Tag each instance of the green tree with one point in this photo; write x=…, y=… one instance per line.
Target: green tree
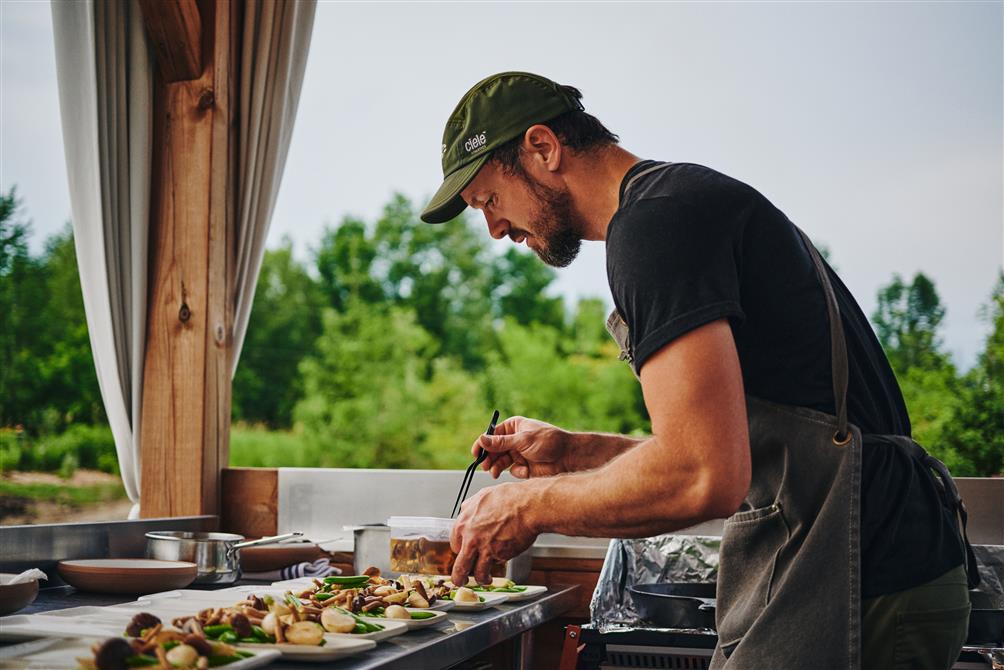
x=975, y=436
x=907, y=320
x=376, y=396
x=285, y=322
x=47, y=380
x=519, y=283
x=531, y=375
x=442, y=273
x=70, y=380
x=22, y=288
x=345, y=264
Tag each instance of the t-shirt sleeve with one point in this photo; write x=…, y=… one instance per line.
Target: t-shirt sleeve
x=672, y=269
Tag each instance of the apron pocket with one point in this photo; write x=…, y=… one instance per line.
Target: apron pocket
x=751, y=542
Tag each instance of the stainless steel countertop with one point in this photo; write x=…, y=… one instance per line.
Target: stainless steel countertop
x=461, y=636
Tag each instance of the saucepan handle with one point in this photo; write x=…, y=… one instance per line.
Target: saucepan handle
x=265, y=540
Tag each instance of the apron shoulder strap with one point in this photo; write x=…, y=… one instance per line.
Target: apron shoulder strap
x=838, y=345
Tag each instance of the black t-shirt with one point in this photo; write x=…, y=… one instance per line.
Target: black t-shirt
x=689, y=245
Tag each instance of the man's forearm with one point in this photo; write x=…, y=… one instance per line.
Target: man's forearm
x=639, y=493
x=588, y=451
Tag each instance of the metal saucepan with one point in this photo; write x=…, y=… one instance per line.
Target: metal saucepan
x=676, y=605
x=216, y=554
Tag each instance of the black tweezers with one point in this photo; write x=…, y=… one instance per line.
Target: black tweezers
x=469, y=475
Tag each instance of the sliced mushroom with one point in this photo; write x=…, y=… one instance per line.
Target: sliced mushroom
x=416, y=600
x=199, y=644
x=241, y=625
x=193, y=626
x=113, y=654
x=141, y=622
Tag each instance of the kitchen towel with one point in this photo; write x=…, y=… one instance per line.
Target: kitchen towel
x=318, y=568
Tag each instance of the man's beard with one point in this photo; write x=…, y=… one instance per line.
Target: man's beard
x=556, y=224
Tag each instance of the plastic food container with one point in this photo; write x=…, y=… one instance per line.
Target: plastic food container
x=421, y=545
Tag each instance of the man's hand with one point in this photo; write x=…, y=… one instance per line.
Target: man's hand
x=493, y=526
x=529, y=448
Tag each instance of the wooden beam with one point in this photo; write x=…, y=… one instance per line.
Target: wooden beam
x=185, y=422
x=175, y=30
x=251, y=501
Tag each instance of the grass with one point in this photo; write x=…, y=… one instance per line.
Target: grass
x=256, y=447
x=63, y=494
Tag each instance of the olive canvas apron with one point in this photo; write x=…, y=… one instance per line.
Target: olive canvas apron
x=788, y=580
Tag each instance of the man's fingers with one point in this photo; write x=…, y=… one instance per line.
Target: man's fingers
x=499, y=466
x=482, y=571
x=463, y=565
x=495, y=444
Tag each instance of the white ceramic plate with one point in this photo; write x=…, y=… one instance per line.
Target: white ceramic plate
x=103, y=622
x=22, y=626
x=412, y=624
x=530, y=593
x=490, y=600
x=235, y=592
x=335, y=647
x=64, y=655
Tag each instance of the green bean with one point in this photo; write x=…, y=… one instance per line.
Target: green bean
x=422, y=615
x=349, y=581
x=217, y=630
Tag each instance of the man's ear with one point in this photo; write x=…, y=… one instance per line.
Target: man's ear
x=542, y=148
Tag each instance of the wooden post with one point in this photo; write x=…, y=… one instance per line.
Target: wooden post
x=185, y=423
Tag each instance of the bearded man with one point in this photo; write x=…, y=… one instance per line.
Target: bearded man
x=772, y=403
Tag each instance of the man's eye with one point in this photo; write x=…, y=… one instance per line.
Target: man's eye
x=493, y=201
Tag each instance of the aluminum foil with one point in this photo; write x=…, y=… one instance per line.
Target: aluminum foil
x=664, y=558
x=990, y=561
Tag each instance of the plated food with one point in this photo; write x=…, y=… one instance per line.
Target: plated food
x=159, y=647
x=371, y=595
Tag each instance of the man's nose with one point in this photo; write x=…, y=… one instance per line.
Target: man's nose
x=498, y=227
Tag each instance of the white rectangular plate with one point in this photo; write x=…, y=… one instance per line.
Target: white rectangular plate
x=530, y=593
x=22, y=626
x=490, y=600
x=335, y=647
x=412, y=624
x=64, y=655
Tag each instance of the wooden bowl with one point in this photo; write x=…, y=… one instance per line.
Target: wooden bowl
x=127, y=575
x=14, y=597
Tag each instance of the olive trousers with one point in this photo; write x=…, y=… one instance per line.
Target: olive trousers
x=922, y=628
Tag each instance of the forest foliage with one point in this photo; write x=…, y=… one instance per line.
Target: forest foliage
x=390, y=344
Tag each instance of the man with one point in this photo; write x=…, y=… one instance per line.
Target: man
x=770, y=398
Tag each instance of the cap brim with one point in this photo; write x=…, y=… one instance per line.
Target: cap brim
x=447, y=203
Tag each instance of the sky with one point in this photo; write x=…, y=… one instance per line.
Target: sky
x=876, y=127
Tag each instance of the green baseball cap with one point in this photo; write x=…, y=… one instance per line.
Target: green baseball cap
x=495, y=111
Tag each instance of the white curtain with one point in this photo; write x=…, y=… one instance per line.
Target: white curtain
x=104, y=69
x=105, y=79
x=276, y=39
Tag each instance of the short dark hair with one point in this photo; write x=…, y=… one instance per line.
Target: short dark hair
x=577, y=130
